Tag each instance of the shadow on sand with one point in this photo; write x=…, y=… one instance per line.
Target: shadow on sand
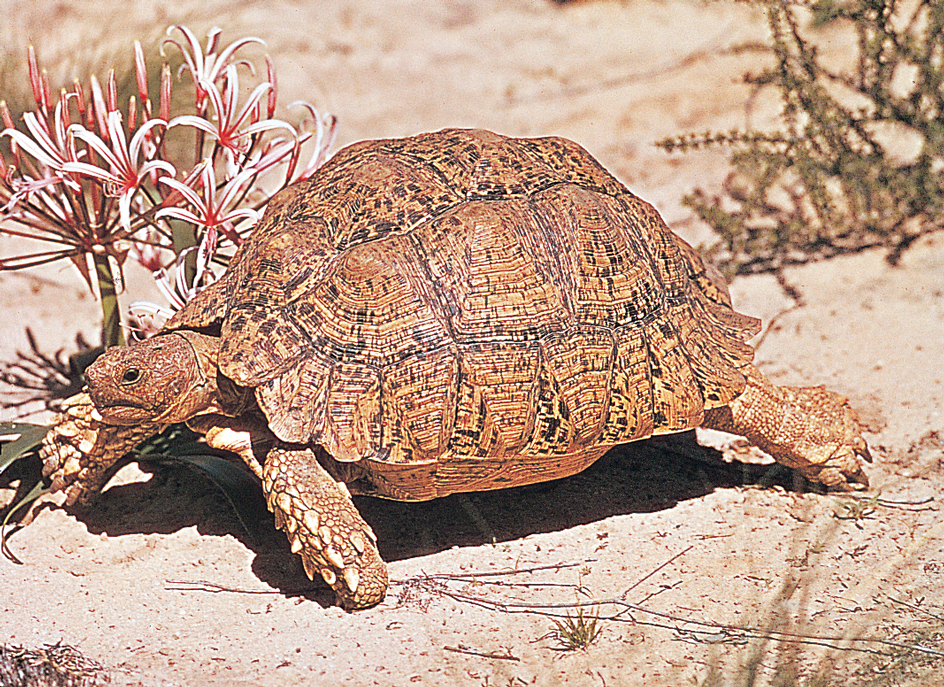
x=641, y=477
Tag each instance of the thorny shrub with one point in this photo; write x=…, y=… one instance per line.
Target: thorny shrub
x=828, y=181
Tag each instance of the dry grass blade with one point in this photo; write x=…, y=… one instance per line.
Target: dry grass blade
x=858, y=509
x=576, y=631
x=576, y=626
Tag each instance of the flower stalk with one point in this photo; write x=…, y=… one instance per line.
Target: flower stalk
x=108, y=294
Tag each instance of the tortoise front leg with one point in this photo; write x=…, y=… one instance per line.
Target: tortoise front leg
x=80, y=449
x=249, y=438
x=323, y=525
x=314, y=509
x=811, y=429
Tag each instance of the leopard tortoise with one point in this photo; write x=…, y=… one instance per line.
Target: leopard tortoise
x=451, y=312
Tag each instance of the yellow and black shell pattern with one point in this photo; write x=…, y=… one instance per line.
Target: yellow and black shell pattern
x=460, y=311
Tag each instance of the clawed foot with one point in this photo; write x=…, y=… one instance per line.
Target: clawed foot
x=79, y=450
x=811, y=429
x=324, y=527
x=832, y=449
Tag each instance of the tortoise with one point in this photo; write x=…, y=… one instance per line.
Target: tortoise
x=450, y=312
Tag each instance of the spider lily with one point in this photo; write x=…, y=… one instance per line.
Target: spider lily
x=54, y=202
x=39, y=82
x=287, y=150
x=231, y=131
x=125, y=172
x=210, y=208
x=39, y=144
x=43, y=196
x=178, y=291
x=206, y=68
x=324, y=132
x=26, y=189
x=61, y=186
x=91, y=178
x=44, y=209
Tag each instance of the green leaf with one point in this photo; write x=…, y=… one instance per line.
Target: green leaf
x=38, y=490
x=175, y=440
x=179, y=445
x=29, y=436
x=176, y=446
x=238, y=486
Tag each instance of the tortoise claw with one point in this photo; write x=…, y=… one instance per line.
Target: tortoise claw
x=80, y=449
x=324, y=527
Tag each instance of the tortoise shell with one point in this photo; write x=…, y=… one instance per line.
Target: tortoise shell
x=460, y=311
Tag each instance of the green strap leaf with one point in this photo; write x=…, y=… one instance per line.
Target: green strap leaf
x=239, y=487
x=38, y=490
x=29, y=437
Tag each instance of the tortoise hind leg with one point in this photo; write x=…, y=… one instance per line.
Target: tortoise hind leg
x=808, y=428
x=323, y=525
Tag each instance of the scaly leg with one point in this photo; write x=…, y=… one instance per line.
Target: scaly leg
x=314, y=509
x=808, y=428
x=249, y=438
x=80, y=449
x=323, y=525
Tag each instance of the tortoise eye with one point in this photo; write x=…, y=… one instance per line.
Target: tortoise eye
x=131, y=376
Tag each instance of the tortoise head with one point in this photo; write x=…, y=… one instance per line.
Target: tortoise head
x=168, y=378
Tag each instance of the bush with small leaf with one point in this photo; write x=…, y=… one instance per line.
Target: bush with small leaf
x=829, y=181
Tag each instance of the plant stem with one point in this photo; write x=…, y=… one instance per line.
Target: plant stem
x=112, y=334
x=184, y=238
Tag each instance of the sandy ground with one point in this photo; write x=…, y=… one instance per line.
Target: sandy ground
x=161, y=584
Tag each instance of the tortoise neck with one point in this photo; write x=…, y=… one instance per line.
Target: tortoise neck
x=207, y=349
